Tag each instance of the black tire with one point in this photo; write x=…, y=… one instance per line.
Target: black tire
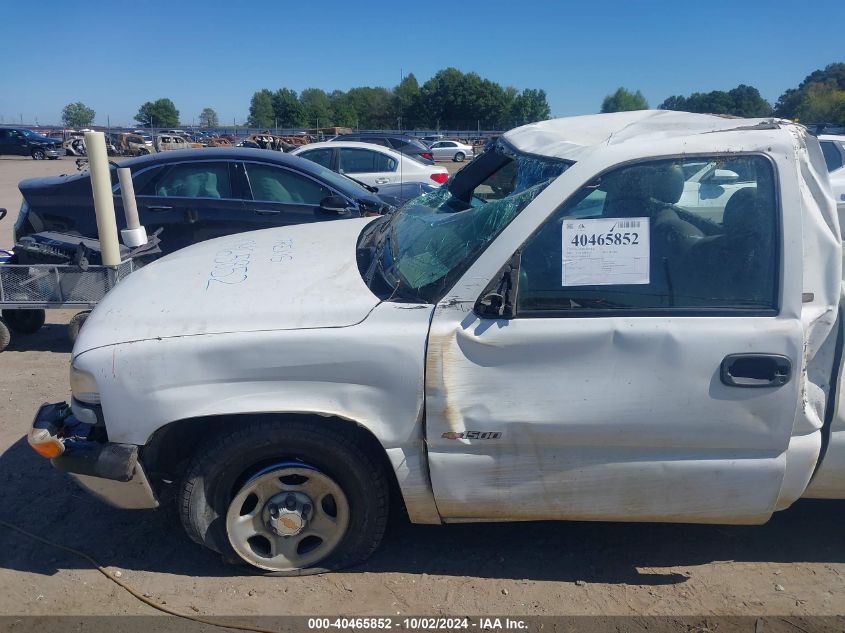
x=75, y=324
x=5, y=336
x=459, y=157
x=38, y=154
x=24, y=321
x=219, y=469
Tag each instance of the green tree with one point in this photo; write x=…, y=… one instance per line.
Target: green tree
x=747, y=102
x=318, y=109
x=162, y=113
x=261, y=109
x=342, y=109
x=287, y=108
x=77, y=115
x=744, y=101
x=675, y=102
x=793, y=99
x=624, y=101
x=406, y=101
x=822, y=103
x=209, y=118
x=529, y=107
x=373, y=106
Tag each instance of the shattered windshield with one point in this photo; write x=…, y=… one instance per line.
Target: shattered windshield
x=434, y=238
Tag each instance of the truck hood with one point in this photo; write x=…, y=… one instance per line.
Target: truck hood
x=297, y=277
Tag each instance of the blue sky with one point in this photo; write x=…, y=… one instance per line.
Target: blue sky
x=115, y=55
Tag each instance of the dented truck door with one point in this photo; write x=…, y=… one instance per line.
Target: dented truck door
x=633, y=359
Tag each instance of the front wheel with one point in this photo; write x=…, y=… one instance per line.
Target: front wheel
x=38, y=154
x=75, y=324
x=459, y=157
x=292, y=498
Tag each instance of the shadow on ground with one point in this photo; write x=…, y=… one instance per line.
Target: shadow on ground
x=42, y=500
x=52, y=337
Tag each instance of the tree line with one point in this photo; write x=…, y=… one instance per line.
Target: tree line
x=450, y=99
x=819, y=98
x=455, y=100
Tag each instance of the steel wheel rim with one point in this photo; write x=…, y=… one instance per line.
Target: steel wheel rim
x=249, y=527
x=37, y=155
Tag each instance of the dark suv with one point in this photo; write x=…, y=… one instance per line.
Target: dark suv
x=405, y=144
x=22, y=142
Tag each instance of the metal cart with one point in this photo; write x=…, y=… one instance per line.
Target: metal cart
x=27, y=290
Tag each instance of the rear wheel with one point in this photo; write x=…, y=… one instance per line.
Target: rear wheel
x=24, y=321
x=459, y=157
x=38, y=154
x=292, y=498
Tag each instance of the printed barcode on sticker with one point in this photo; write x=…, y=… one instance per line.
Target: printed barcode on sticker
x=628, y=224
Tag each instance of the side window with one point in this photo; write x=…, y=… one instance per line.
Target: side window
x=832, y=155
x=651, y=236
x=364, y=161
x=320, y=156
x=191, y=180
x=275, y=184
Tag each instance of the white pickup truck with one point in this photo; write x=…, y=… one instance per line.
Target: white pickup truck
x=624, y=317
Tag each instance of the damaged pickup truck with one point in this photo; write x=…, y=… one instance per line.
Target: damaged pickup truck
x=624, y=317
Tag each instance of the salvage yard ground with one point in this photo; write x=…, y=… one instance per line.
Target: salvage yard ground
x=795, y=565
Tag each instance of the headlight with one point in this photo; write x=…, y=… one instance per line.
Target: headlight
x=83, y=386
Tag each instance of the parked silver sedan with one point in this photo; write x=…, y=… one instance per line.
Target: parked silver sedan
x=451, y=150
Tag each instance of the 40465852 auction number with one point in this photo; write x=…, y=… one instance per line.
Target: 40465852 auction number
x=606, y=239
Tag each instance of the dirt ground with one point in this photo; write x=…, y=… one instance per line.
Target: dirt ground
x=795, y=565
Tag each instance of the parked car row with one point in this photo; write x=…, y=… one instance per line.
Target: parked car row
x=197, y=195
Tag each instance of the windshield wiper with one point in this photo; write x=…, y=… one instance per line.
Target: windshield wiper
x=369, y=188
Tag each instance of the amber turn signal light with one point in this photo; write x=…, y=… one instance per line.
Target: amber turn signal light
x=46, y=445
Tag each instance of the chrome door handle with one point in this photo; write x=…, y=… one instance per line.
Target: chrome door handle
x=382, y=181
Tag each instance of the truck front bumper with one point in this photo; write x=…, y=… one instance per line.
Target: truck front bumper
x=110, y=471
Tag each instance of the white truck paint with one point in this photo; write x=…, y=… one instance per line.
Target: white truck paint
x=608, y=416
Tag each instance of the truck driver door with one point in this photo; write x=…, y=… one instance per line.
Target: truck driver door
x=645, y=366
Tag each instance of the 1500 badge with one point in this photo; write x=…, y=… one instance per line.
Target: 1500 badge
x=471, y=435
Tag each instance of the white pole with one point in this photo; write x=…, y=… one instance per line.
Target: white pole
x=98, y=166
x=134, y=234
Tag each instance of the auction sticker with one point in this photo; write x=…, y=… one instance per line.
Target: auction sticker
x=606, y=251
